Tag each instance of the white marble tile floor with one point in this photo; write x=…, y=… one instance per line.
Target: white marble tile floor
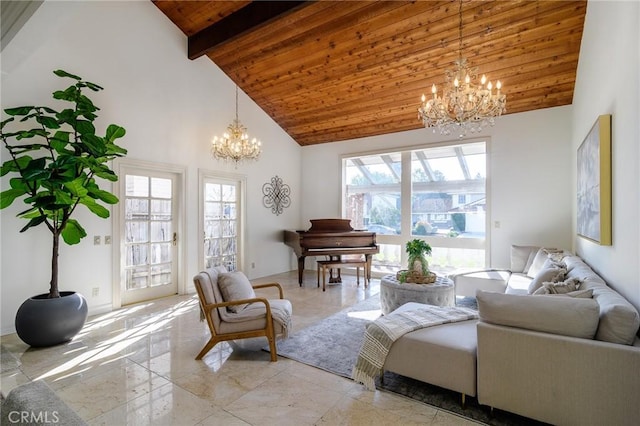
x=136, y=366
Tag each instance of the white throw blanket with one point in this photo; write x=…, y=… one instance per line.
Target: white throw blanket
x=383, y=332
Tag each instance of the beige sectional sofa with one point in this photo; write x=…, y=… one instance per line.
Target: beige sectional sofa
x=550, y=357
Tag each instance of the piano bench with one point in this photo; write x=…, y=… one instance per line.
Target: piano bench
x=328, y=264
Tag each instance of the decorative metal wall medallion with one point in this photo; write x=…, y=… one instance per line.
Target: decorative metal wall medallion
x=276, y=195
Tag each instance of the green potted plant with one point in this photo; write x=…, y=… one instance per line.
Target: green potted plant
x=418, y=267
x=55, y=159
x=418, y=250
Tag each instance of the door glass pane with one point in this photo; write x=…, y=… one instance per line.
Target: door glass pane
x=137, y=208
x=220, y=225
x=136, y=232
x=161, y=209
x=160, y=274
x=160, y=188
x=149, y=232
x=229, y=210
x=160, y=253
x=137, y=186
x=137, y=254
x=138, y=277
x=161, y=231
x=229, y=193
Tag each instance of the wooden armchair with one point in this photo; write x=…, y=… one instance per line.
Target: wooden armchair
x=254, y=316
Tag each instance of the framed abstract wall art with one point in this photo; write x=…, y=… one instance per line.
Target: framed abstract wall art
x=594, y=183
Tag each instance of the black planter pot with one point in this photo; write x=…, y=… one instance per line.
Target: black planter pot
x=41, y=321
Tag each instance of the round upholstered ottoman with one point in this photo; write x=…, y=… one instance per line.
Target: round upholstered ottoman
x=394, y=294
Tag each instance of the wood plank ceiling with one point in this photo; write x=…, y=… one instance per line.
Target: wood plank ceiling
x=333, y=70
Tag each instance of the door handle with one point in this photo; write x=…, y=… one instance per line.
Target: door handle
x=175, y=238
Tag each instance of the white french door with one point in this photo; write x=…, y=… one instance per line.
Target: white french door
x=149, y=234
x=221, y=221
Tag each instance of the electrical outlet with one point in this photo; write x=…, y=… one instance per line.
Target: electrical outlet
x=96, y=240
x=107, y=239
x=496, y=224
x=95, y=291
x=253, y=265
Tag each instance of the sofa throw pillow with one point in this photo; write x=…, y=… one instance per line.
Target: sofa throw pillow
x=537, y=263
x=541, y=259
x=521, y=257
x=558, y=256
x=235, y=286
x=551, y=273
x=563, y=287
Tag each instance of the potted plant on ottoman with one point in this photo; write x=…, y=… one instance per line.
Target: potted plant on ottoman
x=55, y=160
x=418, y=266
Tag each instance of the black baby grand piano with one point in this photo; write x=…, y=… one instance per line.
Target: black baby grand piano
x=331, y=237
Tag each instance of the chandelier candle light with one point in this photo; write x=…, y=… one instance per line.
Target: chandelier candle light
x=234, y=145
x=464, y=105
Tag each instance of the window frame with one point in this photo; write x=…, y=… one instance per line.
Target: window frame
x=405, y=201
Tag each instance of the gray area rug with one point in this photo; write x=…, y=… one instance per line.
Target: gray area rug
x=333, y=345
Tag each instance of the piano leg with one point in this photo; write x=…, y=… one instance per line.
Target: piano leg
x=300, y=269
x=338, y=278
x=367, y=269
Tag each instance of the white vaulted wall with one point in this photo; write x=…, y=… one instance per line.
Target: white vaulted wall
x=608, y=82
x=529, y=177
x=170, y=106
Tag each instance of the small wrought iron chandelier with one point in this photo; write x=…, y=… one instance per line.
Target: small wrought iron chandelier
x=464, y=105
x=234, y=145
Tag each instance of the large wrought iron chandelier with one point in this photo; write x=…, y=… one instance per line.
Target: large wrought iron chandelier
x=235, y=145
x=464, y=105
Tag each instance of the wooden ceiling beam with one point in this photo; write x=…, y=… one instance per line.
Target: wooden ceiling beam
x=317, y=19
x=246, y=19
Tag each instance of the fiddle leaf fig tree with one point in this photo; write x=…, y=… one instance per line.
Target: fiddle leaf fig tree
x=54, y=160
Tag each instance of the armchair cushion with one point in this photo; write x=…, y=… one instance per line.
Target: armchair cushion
x=254, y=316
x=235, y=286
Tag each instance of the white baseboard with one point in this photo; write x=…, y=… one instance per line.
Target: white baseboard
x=100, y=309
